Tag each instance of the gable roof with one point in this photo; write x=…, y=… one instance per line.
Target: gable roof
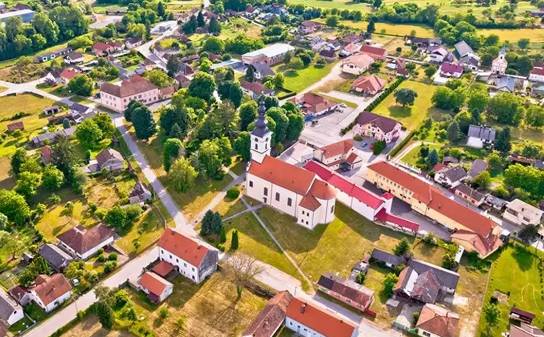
x=470, y=192
x=374, y=51
x=338, y=148
x=318, y=320
x=383, y=123
x=537, y=71
x=183, y=247
x=108, y=154
x=525, y=330
x=385, y=257
x=463, y=48
x=447, y=278
x=360, y=60
x=49, y=288
x=371, y=83
x=481, y=132
x=438, y=320
x=283, y=174
x=262, y=68
x=451, y=68
x=454, y=174
x=82, y=240
x=153, y=283
x=271, y=317
x=55, y=256
x=129, y=87
x=356, y=293
x=7, y=306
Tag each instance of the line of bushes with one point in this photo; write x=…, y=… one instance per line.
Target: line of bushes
x=375, y=103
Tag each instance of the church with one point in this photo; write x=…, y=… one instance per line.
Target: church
x=288, y=188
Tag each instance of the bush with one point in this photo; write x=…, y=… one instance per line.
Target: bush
x=109, y=266
x=233, y=193
x=101, y=258
x=112, y=257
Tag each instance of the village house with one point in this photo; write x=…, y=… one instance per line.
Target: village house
x=139, y=194
x=136, y=88
x=400, y=67
x=83, y=243
x=422, y=42
x=357, y=64
x=261, y=70
x=155, y=287
x=537, y=74
x=339, y=155
x=15, y=126
x=472, y=230
x=346, y=291
x=375, y=52
x=271, y=54
x=386, y=259
x=57, y=258
x=377, y=127
x=521, y=213
x=108, y=159
x=79, y=112
x=190, y=257
x=368, y=85
x=477, y=167
x=255, y=89
x=314, y=104
x=46, y=155
x=425, y=283
x=494, y=202
x=498, y=84
x=269, y=321
x=451, y=177
x=525, y=330
x=480, y=136
x=309, y=321
x=451, y=70
x=470, y=62
x=291, y=189
x=49, y=292
x=51, y=137
x=53, y=54
x=499, y=64
x=437, y=321
x=438, y=55
x=10, y=311
x=133, y=42
x=73, y=58
x=106, y=48
x=350, y=49
x=309, y=27
x=470, y=195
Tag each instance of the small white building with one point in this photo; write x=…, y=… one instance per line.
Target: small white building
x=108, y=159
x=521, y=213
x=191, y=258
x=10, y=311
x=156, y=288
x=537, y=74
x=49, y=292
x=309, y=321
x=499, y=64
x=271, y=55
x=84, y=243
x=117, y=96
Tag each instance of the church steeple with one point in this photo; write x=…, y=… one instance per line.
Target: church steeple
x=261, y=137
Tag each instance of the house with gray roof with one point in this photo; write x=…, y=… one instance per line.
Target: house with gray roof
x=477, y=167
x=480, y=136
x=10, y=311
x=463, y=49
x=56, y=257
x=388, y=259
x=451, y=176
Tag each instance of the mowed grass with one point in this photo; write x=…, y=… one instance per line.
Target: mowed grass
x=412, y=157
x=411, y=117
x=143, y=233
x=301, y=79
x=209, y=309
x=513, y=35
x=392, y=29
x=518, y=273
x=236, y=26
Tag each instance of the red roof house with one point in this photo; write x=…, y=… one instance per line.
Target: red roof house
x=368, y=85
x=375, y=52
x=156, y=288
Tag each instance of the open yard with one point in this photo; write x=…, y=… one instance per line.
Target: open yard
x=517, y=272
x=410, y=116
x=236, y=26
x=209, y=309
x=303, y=78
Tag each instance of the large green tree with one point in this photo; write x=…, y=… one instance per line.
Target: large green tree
x=143, y=122
x=182, y=175
x=14, y=206
x=89, y=134
x=202, y=86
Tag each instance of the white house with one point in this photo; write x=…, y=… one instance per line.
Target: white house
x=48, y=292
x=537, y=74
x=377, y=127
x=309, y=321
x=192, y=258
x=271, y=55
x=117, y=97
x=156, y=288
x=451, y=176
x=108, y=159
x=521, y=213
x=84, y=243
x=357, y=64
x=283, y=186
x=499, y=64
x=438, y=55
x=337, y=155
x=436, y=321
x=10, y=311
x=480, y=136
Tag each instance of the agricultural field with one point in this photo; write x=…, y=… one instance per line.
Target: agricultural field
x=410, y=116
x=183, y=5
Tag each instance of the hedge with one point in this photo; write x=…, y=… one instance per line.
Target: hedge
x=401, y=144
x=375, y=103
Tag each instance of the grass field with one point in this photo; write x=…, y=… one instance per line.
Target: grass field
x=518, y=273
x=411, y=157
x=144, y=232
x=513, y=35
x=410, y=116
x=393, y=29
x=236, y=26
x=209, y=309
x=301, y=79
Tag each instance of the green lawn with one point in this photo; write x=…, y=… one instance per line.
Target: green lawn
x=412, y=157
x=143, y=233
x=518, y=273
x=410, y=116
x=301, y=79
x=236, y=26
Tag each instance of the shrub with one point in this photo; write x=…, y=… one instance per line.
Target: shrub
x=233, y=193
x=101, y=258
x=112, y=257
x=109, y=266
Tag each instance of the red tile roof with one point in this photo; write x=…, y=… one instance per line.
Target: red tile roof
x=68, y=73
x=153, y=283
x=162, y=268
x=271, y=317
x=19, y=125
x=82, y=240
x=371, y=84
x=386, y=217
x=438, y=321
x=50, y=288
x=322, y=190
x=318, y=320
x=183, y=247
x=283, y=174
x=451, y=68
x=338, y=148
x=374, y=51
x=309, y=202
x=538, y=71
x=129, y=87
x=321, y=171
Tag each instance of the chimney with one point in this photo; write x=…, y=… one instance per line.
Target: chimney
x=303, y=308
